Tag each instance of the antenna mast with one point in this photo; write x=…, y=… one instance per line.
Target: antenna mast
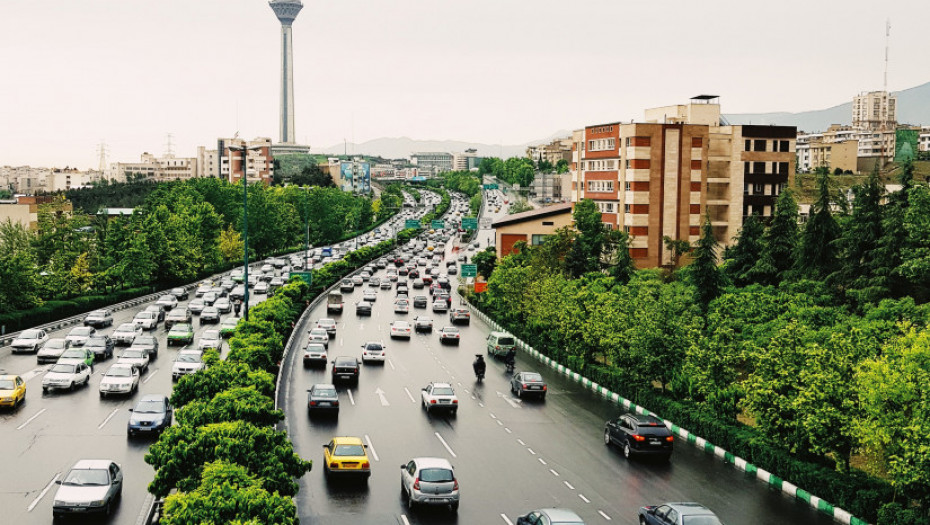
x=169, y=148
x=887, y=38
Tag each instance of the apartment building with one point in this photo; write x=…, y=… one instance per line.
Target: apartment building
x=661, y=177
x=24, y=209
x=259, y=165
x=433, y=162
x=553, y=152
x=923, y=143
x=875, y=111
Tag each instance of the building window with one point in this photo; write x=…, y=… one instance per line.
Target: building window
x=536, y=240
x=783, y=168
x=759, y=145
x=697, y=142
x=548, y=223
x=626, y=186
x=626, y=229
x=758, y=189
x=608, y=226
x=748, y=145
x=626, y=208
x=758, y=168
x=784, y=146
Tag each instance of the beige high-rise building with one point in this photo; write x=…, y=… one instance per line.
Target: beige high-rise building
x=875, y=111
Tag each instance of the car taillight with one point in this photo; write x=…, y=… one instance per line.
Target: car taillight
x=545, y=387
x=455, y=484
x=313, y=403
x=355, y=370
x=416, y=484
x=334, y=465
x=523, y=386
x=455, y=401
x=432, y=401
x=366, y=464
x=637, y=437
x=669, y=439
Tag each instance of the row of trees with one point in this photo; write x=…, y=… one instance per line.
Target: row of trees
x=183, y=230
x=814, y=334
x=515, y=170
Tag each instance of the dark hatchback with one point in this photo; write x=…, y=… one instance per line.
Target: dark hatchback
x=345, y=369
x=322, y=399
x=363, y=308
x=151, y=415
x=100, y=345
x=640, y=435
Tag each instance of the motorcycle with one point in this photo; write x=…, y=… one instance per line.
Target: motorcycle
x=479, y=367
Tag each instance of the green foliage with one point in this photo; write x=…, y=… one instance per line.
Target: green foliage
x=203, y=385
x=588, y=248
x=486, y=261
x=234, y=404
x=515, y=170
x=704, y=274
x=228, y=494
x=92, y=199
x=779, y=243
x=743, y=256
x=520, y=206
x=816, y=258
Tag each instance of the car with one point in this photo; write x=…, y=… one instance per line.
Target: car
x=550, y=517
x=187, y=362
x=373, y=351
x=327, y=324
x=400, y=329
x=402, y=290
x=79, y=334
x=262, y=287
x=346, y=457
x=99, y=319
x=422, y=324
x=386, y=285
x=440, y=305
x=401, y=306
x=418, y=284
x=223, y=305
x=137, y=357
x=158, y=310
x=429, y=481
x=210, y=340
x=149, y=343
x=146, y=320
x=315, y=355
x=420, y=301
x=459, y=315
x=499, y=343
x=370, y=296
x=345, y=369
x=528, y=383
x=439, y=396
x=66, y=377
x=202, y=289
x=334, y=303
x=319, y=335
x=12, y=390
x=169, y=301
x=101, y=345
x=210, y=297
x=52, y=350
x=209, y=314
x=119, y=379
x=178, y=315
x=196, y=306
x=322, y=399
x=684, y=513
x=228, y=326
x=126, y=333
x=347, y=285
x=375, y=282
x=92, y=486
x=365, y=276
x=237, y=293
x=363, y=308
x=180, y=293
x=29, y=341
x=450, y=335
x=151, y=415
x=640, y=435
x=181, y=333
x=357, y=280
x=77, y=355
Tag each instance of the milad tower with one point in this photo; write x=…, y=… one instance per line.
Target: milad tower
x=286, y=11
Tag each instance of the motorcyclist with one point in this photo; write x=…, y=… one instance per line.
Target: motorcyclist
x=237, y=305
x=510, y=359
x=479, y=366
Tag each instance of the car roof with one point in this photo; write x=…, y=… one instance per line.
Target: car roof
x=92, y=464
x=8, y=376
x=152, y=397
x=435, y=383
x=646, y=420
x=347, y=440
x=328, y=386
x=559, y=515
x=690, y=508
x=430, y=462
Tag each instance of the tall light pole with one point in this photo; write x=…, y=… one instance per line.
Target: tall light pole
x=244, y=148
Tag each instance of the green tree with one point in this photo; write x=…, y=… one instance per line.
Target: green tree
x=915, y=252
x=227, y=493
x=204, y=385
x=585, y=255
x=817, y=250
x=859, y=242
x=779, y=242
x=312, y=175
x=677, y=248
x=704, y=273
x=886, y=263
x=561, y=166
x=486, y=261
x=520, y=206
x=621, y=266
x=743, y=256
x=234, y=404
x=230, y=244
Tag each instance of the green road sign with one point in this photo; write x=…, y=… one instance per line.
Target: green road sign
x=306, y=276
x=490, y=186
x=469, y=270
x=411, y=223
x=470, y=223
x=437, y=225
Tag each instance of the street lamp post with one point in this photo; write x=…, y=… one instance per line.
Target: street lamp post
x=245, y=222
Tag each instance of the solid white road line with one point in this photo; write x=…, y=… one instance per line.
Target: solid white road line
x=39, y=413
x=507, y=521
x=569, y=485
x=584, y=499
x=371, y=448
x=606, y=517
x=42, y=494
x=149, y=376
x=412, y=400
x=107, y=420
x=392, y=364
x=351, y=399
x=443, y=441
x=403, y=518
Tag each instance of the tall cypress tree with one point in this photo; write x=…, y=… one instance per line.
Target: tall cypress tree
x=817, y=251
x=860, y=239
x=747, y=251
x=704, y=273
x=886, y=263
x=780, y=242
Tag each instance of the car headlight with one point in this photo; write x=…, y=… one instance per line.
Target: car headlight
x=98, y=503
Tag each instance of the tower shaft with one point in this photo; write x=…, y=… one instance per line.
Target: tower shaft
x=286, y=11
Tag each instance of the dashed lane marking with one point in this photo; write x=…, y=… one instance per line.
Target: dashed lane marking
x=149, y=376
x=569, y=485
x=506, y=520
x=107, y=420
x=520, y=441
x=543, y=461
x=443, y=441
x=351, y=399
x=403, y=518
x=531, y=451
x=39, y=413
x=584, y=499
x=412, y=400
x=554, y=473
x=392, y=364
x=43, y=493
x=606, y=517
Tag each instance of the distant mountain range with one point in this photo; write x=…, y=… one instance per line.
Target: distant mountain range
x=913, y=108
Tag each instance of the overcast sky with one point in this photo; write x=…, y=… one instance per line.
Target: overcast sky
x=78, y=72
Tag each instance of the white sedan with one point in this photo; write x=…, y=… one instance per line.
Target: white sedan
x=136, y=357
x=119, y=379
x=80, y=334
x=211, y=339
x=169, y=301
x=187, y=362
x=67, y=377
x=400, y=329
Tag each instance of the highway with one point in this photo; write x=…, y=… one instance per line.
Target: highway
x=511, y=456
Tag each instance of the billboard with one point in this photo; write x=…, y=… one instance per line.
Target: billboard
x=905, y=144
x=356, y=176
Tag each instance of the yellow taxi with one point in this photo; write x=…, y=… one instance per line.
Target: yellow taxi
x=12, y=390
x=346, y=457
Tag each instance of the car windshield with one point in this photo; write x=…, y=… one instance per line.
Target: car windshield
x=505, y=341
x=325, y=392
x=144, y=339
x=6, y=384
x=31, y=334
x=436, y=475
x=74, y=353
x=182, y=328
x=133, y=354
x=700, y=520
x=443, y=391
x=401, y=325
x=211, y=335
x=373, y=346
x=84, y=477
x=119, y=371
x=145, y=315
x=532, y=377
x=149, y=407
x=346, y=362
x=188, y=358
x=63, y=369
x=349, y=450
x=55, y=343
x=450, y=330
x=96, y=341
x=81, y=330
x=126, y=327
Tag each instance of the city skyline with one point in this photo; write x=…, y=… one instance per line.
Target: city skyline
x=499, y=73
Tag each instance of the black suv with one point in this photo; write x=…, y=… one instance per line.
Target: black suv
x=639, y=435
x=345, y=369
